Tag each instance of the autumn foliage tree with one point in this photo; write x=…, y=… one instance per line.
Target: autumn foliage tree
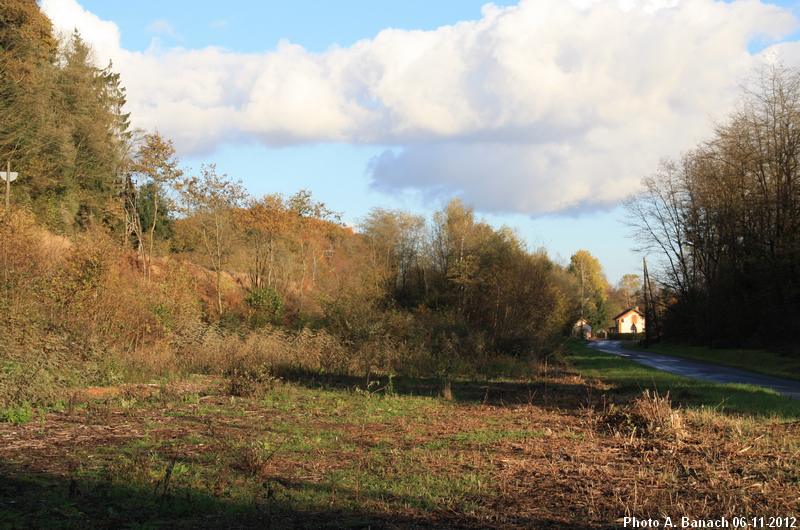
x=157, y=170
x=210, y=199
x=593, y=287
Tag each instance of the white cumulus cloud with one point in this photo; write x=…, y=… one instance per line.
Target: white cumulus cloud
x=547, y=106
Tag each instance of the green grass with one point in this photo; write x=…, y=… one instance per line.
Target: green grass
x=294, y=455
x=630, y=377
x=761, y=361
x=17, y=415
x=332, y=457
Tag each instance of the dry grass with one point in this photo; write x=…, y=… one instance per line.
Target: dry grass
x=648, y=415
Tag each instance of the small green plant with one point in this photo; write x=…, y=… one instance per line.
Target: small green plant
x=164, y=316
x=18, y=414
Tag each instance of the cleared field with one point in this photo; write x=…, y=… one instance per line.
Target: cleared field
x=558, y=450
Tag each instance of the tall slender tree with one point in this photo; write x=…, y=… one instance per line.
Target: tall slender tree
x=211, y=199
x=157, y=169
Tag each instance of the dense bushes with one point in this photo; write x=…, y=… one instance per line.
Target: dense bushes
x=491, y=292
x=80, y=311
x=77, y=311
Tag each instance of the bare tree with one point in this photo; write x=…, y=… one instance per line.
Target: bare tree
x=724, y=219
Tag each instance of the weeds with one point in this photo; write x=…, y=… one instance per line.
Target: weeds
x=648, y=415
x=18, y=414
x=246, y=380
x=300, y=451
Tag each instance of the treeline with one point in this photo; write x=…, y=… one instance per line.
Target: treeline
x=62, y=124
x=116, y=264
x=725, y=220
x=451, y=285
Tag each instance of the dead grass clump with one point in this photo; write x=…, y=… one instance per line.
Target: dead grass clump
x=650, y=414
x=248, y=460
x=253, y=458
x=657, y=410
x=249, y=380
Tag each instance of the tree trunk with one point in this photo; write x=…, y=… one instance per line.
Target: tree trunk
x=149, y=259
x=219, y=292
x=218, y=264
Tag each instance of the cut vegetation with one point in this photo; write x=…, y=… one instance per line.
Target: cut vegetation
x=175, y=353
x=556, y=450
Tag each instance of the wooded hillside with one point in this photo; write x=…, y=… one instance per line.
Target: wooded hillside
x=118, y=265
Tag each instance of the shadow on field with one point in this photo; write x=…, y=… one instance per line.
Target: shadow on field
x=496, y=393
x=625, y=381
x=38, y=500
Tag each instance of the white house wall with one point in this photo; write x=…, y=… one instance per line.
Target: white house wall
x=624, y=323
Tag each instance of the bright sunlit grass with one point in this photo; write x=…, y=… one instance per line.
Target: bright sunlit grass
x=629, y=376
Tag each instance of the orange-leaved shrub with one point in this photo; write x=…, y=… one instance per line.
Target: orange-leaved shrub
x=78, y=311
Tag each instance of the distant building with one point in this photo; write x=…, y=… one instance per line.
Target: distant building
x=629, y=321
x=582, y=328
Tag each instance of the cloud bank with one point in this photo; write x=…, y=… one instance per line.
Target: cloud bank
x=547, y=106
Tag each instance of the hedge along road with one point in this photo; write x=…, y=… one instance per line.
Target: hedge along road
x=700, y=370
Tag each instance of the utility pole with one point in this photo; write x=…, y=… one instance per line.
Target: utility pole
x=583, y=293
x=8, y=176
x=650, y=310
x=647, y=320
x=8, y=185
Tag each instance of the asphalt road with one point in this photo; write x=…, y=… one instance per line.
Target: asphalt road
x=700, y=370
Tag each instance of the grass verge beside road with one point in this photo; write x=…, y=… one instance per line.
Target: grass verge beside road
x=759, y=361
x=626, y=376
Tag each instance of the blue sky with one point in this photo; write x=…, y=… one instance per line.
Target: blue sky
x=253, y=26
x=337, y=171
